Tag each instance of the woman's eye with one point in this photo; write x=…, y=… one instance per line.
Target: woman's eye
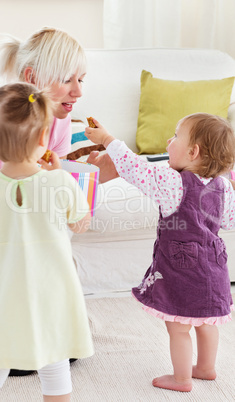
x=70, y=80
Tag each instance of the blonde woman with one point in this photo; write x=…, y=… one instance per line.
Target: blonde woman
x=53, y=59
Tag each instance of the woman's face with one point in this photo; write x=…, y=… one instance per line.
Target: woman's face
x=65, y=95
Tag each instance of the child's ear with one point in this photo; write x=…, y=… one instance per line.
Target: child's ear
x=29, y=75
x=43, y=137
x=194, y=152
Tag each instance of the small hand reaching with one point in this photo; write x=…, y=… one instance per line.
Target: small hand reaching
x=53, y=164
x=99, y=135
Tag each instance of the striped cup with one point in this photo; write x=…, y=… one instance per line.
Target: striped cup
x=87, y=176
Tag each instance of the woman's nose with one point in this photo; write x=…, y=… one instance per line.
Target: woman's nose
x=76, y=89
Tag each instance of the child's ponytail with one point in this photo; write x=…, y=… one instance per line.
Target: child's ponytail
x=9, y=47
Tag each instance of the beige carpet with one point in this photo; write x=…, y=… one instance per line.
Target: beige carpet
x=131, y=349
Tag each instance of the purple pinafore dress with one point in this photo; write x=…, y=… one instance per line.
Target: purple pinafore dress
x=189, y=276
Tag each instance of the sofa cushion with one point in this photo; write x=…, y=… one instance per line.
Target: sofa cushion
x=164, y=102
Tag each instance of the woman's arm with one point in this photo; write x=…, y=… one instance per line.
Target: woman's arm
x=105, y=164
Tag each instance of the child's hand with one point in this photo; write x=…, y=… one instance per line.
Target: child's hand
x=98, y=135
x=53, y=164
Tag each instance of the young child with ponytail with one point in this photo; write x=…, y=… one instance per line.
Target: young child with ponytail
x=43, y=316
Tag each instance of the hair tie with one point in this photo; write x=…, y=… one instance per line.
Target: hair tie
x=31, y=98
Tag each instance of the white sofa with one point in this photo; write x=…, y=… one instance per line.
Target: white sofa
x=115, y=253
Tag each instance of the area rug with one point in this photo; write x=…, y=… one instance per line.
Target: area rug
x=131, y=348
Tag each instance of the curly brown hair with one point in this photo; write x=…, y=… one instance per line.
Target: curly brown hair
x=216, y=140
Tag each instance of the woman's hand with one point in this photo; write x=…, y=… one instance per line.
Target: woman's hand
x=99, y=135
x=54, y=162
x=105, y=164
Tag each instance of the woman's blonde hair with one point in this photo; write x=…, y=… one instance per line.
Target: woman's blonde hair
x=24, y=113
x=53, y=55
x=216, y=141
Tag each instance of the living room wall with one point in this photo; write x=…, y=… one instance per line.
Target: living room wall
x=82, y=19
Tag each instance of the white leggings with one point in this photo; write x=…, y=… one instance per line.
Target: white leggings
x=55, y=378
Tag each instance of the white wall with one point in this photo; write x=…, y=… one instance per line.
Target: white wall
x=82, y=19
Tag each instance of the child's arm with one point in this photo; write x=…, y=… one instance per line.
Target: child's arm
x=161, y=183
x=82, y=225
x=100, y=136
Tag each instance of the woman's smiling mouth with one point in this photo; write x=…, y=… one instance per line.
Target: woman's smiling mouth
x=68, y=106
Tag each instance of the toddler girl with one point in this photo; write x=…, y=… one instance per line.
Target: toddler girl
x=43, y=316
x=187, y=283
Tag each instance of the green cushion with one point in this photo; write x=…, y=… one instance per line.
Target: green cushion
x=164, y=102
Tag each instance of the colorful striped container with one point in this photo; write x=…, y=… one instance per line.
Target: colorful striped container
x=87, y=176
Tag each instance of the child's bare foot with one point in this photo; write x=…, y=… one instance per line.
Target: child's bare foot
x=169, y=382
x=203, y=374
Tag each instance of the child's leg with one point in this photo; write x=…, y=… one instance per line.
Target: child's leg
x=207, y=346
x=181, y=356
x=56, y=382
x=3, y=376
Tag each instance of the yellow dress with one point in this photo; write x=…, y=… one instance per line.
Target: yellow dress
x=43, y=316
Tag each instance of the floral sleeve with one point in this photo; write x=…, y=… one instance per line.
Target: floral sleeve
x=160, y=183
